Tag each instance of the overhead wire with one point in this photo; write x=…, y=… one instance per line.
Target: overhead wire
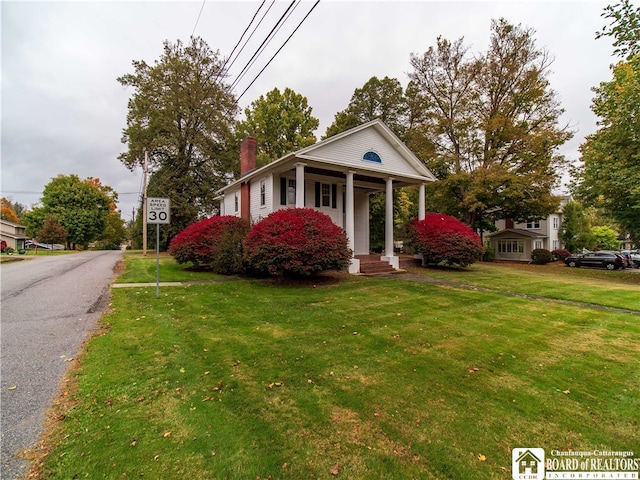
x=267, y=40
x=198, y=19
x=277, y=52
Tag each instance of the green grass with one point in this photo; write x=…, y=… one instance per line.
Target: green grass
x=381, y=378
x=600, y=287
x=142, y=269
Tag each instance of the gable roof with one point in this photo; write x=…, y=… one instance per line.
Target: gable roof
x=345, y=151
x=518, y=231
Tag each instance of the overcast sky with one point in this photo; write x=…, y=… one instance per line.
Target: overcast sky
x=63, y=111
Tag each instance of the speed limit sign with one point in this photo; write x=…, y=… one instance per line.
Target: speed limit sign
x=158, y=210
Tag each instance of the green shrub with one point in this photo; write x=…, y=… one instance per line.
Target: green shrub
x=296, y=242
x=214, y=243
x=541, y=256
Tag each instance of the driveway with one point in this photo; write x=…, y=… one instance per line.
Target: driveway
x=49, y=305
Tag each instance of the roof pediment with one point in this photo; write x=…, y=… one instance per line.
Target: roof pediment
x=369, y=149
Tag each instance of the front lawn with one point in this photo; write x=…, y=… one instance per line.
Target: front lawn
x=347, y=377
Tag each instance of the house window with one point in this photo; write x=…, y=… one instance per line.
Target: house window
x=371, y=156
x=533, y=225
x=263, y=192
x=537, y=244
x=556, y=223
x=291, y=192
x=556, y=244
x=510, y=246
x=326, y=195
x=236, y=202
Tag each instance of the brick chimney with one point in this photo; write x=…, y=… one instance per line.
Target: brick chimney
x=247, y=155
x=247, y=164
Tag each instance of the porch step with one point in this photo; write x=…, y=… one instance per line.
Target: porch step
x=370, y=264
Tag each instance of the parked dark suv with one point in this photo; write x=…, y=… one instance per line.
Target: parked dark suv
x=608, y=260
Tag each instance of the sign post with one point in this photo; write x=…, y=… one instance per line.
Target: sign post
x=158, y=212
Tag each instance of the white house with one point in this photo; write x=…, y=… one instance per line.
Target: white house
x=516, y=241
x=335, y=176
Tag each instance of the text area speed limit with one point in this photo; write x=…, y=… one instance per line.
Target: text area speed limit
x=158, y=210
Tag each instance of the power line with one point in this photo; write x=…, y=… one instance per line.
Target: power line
x=275, y=54
x=198, y=19
x=267, y=39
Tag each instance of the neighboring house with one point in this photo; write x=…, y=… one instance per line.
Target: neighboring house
x=516, y=241
x=13, y=234
x=335, y=176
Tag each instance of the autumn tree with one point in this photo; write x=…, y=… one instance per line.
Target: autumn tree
x=492, y=126
x=383, y=99
x=609, y=176
x=181, y=114
x=7, y=212
x=51, y=232
x=80, y=206
x=281, y=122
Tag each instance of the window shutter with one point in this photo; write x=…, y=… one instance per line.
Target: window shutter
x=334, y=195
x=283, y=191
x=317, y=194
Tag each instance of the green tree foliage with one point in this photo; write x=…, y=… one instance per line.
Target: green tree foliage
x=609, y=176
x=605, y=238
x=80, y=206
x=51, y=232
x=281, y=122
x=575, y=230
x=114, y=234
x=181, y=114
x=383, y=99
x=624, y=28
x=491, y=124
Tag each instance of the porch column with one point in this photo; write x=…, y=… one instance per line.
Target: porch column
x=388, y=220
x=300, y=185
x=421, y=212
x=349, y=224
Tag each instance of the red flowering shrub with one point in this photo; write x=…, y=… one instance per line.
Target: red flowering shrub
x=214, y=243
x=444, y=239
x=296, y=242
x=561, y=254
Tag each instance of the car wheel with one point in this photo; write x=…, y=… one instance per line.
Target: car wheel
x=610, y=266
x=572, y=264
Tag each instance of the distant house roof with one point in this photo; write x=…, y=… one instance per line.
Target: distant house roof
x=6, y=222
x=516, y=231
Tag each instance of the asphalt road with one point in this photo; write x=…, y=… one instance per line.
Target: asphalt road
x=48, y=306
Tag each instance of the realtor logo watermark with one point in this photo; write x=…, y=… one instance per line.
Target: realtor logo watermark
x=533, y=464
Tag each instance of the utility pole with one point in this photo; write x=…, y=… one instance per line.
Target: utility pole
x=144, y=206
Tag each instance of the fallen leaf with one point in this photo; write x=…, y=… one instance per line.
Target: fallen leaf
x=166, y=434
x=12, y=387
x=335, y=470
x=182, y=370
x=566, y=392
x=482, y=458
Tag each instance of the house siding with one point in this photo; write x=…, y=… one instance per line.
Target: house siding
x=349, y=152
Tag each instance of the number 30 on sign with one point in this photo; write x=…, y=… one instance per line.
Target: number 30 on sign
x=158, y=210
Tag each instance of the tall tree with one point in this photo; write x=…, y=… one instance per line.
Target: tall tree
x=281, y=122
x=181, y=114
x=609, y=176
x=80, y=206
x=575, y=230
x=624, y=28
x=492, y=125
x=383, y=99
